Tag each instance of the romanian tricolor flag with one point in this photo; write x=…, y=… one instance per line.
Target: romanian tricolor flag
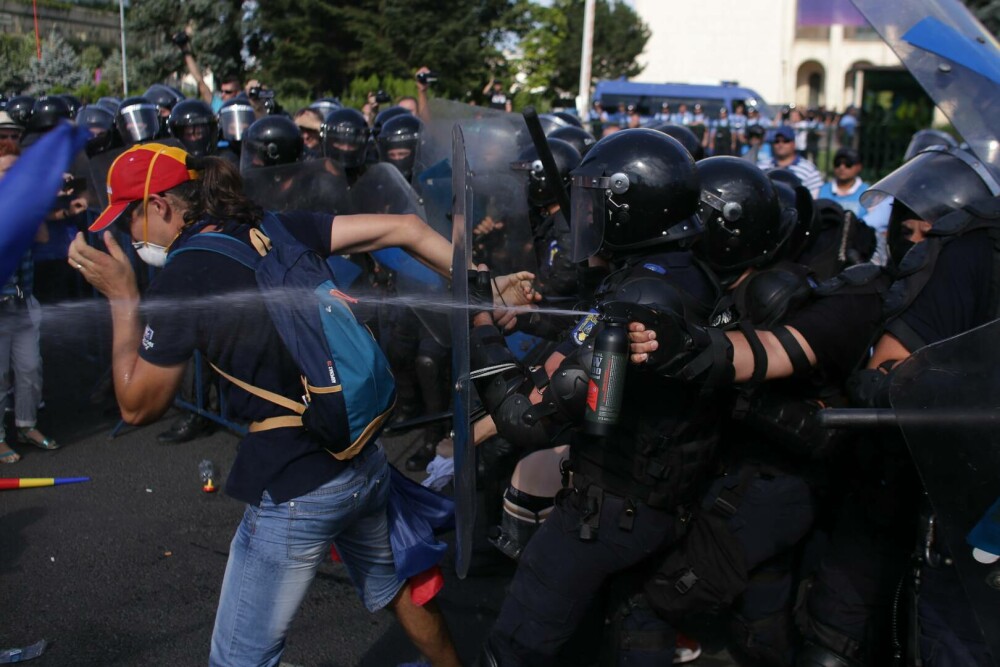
x=9, y=483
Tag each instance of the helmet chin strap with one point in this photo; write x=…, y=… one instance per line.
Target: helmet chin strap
x=145, y=196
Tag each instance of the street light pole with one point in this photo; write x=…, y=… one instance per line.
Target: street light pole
x=586, y=58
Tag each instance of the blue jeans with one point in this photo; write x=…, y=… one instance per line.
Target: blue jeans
x=277, y=548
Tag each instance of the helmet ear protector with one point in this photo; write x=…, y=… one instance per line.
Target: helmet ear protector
x=618, y=184
x=731, y=211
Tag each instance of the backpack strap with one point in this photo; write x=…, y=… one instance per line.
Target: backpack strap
x=222, y=244
x=287, y=421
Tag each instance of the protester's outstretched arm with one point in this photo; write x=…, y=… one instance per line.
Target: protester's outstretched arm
x=192, y=65
x=423, y=110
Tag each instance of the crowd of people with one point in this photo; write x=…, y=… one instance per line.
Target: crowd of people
x=657, y=458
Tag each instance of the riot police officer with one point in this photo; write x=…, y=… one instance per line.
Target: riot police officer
x=345, y=140
x=398, y=141
x=642, y=190
x=943, y=238
x=137, y=121
x=790, y=345
x=194, y=125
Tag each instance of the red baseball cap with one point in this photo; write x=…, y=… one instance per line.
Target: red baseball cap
x=139, y=171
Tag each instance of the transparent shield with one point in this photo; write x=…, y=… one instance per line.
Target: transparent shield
x=383, y=189
x=312, y=186
x=954, y=58
x=97, y=180
x=947, y=399
x=465, y=448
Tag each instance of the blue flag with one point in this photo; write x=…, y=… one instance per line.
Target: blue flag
x=29, y=189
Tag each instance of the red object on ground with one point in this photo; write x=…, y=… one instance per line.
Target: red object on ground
x=423, y=587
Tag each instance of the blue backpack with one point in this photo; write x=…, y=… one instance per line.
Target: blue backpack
x=349, y=388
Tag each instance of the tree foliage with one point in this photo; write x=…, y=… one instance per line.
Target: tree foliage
x=552, y=43
x=16, y=54
x=59, y=68
x=213, y=25
x=988, y=12
x=319, y=46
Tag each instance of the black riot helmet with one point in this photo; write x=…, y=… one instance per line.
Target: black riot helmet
x=936, y=182
x=326, y=105
x=345, y=137
x=636, y=188
x=101, y=124
x=235, y=117
x=540, y=191
x=19, y=109
x=47, y=112
x=193, y=124
x=163, y=96
x=552, y=122
x=742, y=215
x=793, y=195
x=74, y=104
x=109, y=103
x=138, y=120
x=568, y=118
x=924, y=139
x=398, y=141
x=271, y=141
x=684, y=135
x=383, y=116
x=577, y=137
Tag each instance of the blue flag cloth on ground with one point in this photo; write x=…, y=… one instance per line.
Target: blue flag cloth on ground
x=416, y=515
x=29, y=190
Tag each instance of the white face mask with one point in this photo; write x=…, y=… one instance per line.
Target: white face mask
x=152, y=254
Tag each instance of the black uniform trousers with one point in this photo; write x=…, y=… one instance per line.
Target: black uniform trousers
x=560, y=575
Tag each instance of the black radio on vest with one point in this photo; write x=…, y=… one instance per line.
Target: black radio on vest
x=607, y=379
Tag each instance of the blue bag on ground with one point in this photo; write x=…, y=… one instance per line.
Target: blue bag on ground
x=349, y=388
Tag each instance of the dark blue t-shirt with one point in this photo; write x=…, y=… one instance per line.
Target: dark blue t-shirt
x=208, y=302
x=957, y=297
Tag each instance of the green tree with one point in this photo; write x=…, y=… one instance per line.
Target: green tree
x=214, y=26
x=318, y=46
x=988, y=12
x=59, y=68
x=551, y=44
x=16, y=54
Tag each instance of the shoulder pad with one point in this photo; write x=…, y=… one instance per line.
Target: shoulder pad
x=859, y=275
x=951, y=224
x=772, y=294
x=988, y=209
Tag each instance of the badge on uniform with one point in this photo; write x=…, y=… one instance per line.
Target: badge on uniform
x=553, y=251
x=583, y=329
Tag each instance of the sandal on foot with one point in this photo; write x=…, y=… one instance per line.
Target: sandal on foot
x=8, y=456
x=24, y=436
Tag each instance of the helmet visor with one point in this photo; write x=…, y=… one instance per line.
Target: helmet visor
x=234, y=120
x=345, y=145
x=138, y=122
x=588, y=206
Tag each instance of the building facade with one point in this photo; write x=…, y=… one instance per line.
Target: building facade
x=804, y=52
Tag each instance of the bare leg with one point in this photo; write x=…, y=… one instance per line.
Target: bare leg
x=426, y=628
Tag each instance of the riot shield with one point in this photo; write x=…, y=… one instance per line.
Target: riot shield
x=97, y=180
x=301, y=186
x=959, y=459
x=490, y=226
x=383, y=189
x=465, y=448
x=432, y=170
x=954, y=58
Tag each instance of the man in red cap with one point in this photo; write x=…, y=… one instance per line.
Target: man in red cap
x=300, y=499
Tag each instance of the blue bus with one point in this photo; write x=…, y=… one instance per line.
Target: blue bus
x=648, y=98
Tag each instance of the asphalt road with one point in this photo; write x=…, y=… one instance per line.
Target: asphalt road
x=125, y=569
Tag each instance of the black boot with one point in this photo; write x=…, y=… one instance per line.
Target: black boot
x=187, y=427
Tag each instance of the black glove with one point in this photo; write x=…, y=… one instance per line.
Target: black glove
x=480, y=293
x=869, y=388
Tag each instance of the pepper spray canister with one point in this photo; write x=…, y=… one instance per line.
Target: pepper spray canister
x=607, y=379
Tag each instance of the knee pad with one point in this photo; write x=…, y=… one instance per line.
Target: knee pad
x=522, y=514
